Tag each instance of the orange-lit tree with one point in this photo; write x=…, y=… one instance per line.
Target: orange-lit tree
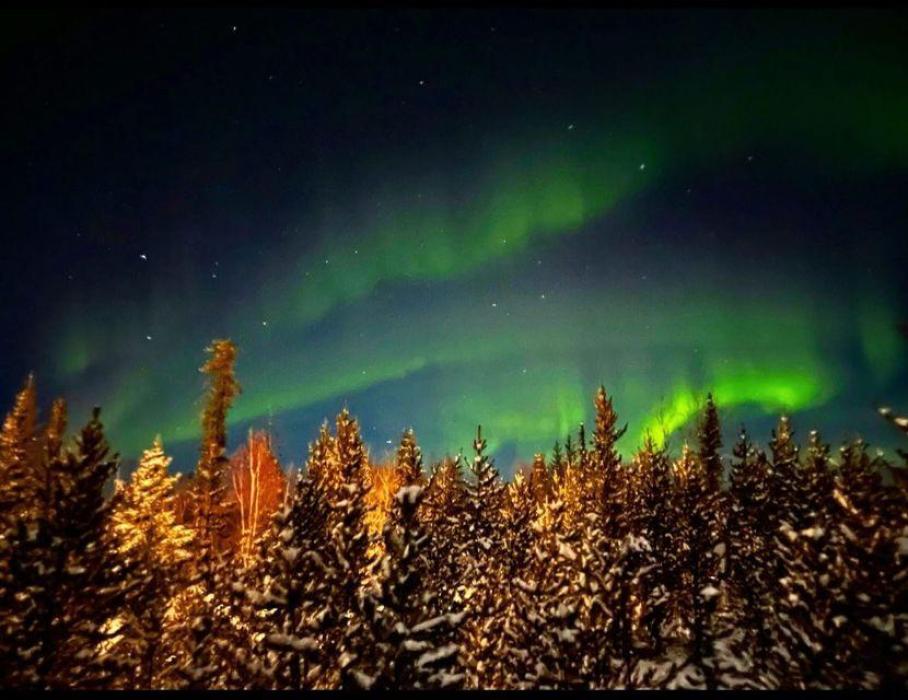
x=441, y=513
x=257, y=485
x=210, y=513
x=157, y=549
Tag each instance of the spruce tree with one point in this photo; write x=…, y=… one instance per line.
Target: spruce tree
x=553, y=631
x=409, y=460
x=788, y=510
x=146, y=533
x=480, y=557
x=556, y=466
x=648, y=522
x=709, y=438
x=702, y=582
x=288, y=594
x=20, y=455
x=322, y=464
x=812, y=589
x=874, y=578
x=349, y=544
x=414, y=637
x=210, y=516
x=72, y=579
x=749, y=539
x=19, y=496
x=608, y=481
x=442, y=514
x=540, y=481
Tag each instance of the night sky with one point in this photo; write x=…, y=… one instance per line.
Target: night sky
x=453, y=217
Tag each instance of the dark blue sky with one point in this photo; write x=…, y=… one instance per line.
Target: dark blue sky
x=444, y=218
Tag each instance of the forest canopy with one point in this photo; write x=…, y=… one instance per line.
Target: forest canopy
x=784, y=567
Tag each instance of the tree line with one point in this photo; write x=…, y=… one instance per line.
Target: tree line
x=784, y=567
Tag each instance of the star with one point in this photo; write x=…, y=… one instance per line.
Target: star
x=264, y=323
x=494, y=305
x=643, y=166
x=542, y=296
x=233, y=27
x=422, y=82
x=570, y=127
x=147, y=337
x=143, y=256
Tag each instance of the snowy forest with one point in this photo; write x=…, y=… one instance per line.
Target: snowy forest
x=784, y=567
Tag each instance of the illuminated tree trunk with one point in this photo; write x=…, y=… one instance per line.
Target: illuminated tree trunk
x=258, y=485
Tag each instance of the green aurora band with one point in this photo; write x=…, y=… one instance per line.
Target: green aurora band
x=328, y=335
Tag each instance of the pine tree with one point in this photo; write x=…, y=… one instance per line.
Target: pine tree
x=414, y=637
x=288, y=595
x=570, y=454
x=874, y=579
x=147, y=534
x=698, y=532
x=709, y=437
x=384, y=485
x=540, y=481
x=549, y=634
x=788, y=488
x=349, y=544
x=442, y=515
x=788, y=511
x=210, y=515
x=812, y=589
x=557, y=463
x=750, y=550
x=519, y=512
x=19, y=480
x=608, y=480
x=648, y=521
x=69, y=576
x=210, y=486
x=322, y=463
x=482, y=524
x=20, y=455
x=409, y=460
x=55, y=430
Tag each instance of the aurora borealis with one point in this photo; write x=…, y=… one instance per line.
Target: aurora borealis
x=449, y=218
